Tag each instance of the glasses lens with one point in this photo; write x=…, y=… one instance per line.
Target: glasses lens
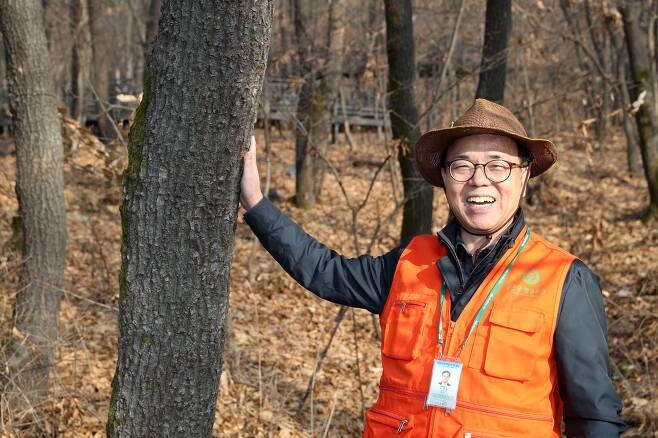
x=461, y=170
x=498, y=170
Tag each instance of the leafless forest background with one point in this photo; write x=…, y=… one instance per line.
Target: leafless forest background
x=568, y=78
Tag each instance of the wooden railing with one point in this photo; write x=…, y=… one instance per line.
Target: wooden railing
x=363, y=107
x=362, y=104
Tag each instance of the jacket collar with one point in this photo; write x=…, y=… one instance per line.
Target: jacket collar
x=449, y=235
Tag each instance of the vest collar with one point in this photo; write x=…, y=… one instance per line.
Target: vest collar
x=452, y=271
x=449, y=235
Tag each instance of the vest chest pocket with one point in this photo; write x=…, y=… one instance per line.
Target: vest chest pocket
x=405, y=329
x=383, y=422
x=514, y=341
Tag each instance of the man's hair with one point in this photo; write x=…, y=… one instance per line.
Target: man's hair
x=524, y=153
x=446, y=372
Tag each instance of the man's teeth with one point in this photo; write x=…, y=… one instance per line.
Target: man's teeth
x=480, y=200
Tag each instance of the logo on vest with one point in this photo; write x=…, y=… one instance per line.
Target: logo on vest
x=528, y=279
x=531, y=277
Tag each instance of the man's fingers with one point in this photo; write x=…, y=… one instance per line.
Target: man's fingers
x=252, y=146
x=250, y=184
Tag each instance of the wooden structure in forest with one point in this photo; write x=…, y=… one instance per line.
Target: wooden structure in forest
x=363, y=106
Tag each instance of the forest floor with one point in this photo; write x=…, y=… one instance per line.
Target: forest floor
x=590, y=205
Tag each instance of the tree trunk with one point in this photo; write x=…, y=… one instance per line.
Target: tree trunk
x=417, y=213
x=80, y=30
x=600, y=97
x=102, y=43
x=637, y=42
x=572, y=11
x=571, y=16
x=286, y=30
x=307, y=112
x=493, y=66
x=319, y=91
x=191, y=130
x=151, y=25
x=329, y=86
x=40, y=190
x=630, y=128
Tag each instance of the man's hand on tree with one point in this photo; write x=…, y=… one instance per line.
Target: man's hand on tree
x=250, y=193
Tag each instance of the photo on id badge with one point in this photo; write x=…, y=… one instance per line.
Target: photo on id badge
x=444, y=384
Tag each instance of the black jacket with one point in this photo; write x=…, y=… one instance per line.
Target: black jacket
x=591, y=404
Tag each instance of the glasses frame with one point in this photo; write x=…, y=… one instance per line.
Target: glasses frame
x=521, y=165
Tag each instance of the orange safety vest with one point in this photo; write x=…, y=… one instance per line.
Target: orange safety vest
x=508, y=384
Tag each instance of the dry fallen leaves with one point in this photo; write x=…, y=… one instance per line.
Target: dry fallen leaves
x=278, y=329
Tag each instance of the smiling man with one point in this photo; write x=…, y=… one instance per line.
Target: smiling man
x=517, y=322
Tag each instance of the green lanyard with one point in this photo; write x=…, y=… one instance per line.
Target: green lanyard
x=487, y=301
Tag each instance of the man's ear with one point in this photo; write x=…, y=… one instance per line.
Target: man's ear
x=525, y=182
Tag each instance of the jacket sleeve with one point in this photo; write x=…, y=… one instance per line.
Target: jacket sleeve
x=362, y=282
x=591, y=404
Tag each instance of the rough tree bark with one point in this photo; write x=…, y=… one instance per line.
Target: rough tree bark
x=636, y=22
x=151, y=25
x=201, y=89
x=498, y=24
x=40, y=190
x=417, y=212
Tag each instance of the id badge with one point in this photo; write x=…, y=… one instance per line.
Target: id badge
x=444, y=384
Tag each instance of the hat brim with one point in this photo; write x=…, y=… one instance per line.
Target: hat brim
x=430, y=147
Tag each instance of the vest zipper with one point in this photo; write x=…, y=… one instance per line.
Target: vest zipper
x=405, y=392
x=406, y=304
x=470, y=406
x=479, y=435
x=514, y=414
x=403, y=421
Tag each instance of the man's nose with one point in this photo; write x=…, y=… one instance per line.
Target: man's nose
x=479, y=178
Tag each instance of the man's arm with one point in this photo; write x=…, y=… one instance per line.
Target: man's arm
x=591, y=404
x=363, y=282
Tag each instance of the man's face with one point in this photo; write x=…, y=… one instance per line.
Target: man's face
x=445, y=377
x=478, y=203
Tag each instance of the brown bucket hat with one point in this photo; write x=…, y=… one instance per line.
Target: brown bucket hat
x=483, y=117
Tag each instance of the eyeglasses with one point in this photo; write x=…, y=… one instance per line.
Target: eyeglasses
x=496, y=171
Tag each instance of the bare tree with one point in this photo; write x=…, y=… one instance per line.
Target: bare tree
x=615, y=28
x=637, y=21
x=307, y=114
x=179, y=213
x=329, y=85
x=321, y=82
x=80, y=30
x=603, y=57
x=400, y=48
x=498, y=23
x=152, y=24
x=40, y=190
x=102, y=43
